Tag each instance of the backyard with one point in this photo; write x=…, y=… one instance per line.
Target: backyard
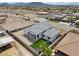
x=38, y=43
x=42, y=46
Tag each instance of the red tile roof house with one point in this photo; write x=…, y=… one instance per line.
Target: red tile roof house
x=69, y=44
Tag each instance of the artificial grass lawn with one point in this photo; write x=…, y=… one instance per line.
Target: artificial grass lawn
x=39, y=43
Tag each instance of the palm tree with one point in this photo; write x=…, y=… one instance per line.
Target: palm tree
x=77, y=23
x=46, y=50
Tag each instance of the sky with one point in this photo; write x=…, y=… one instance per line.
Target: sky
x=62, y=3
x=55, y=3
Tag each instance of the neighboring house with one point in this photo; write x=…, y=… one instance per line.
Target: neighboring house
x=5, y=40
x=77, y=29
x=76, y=14
x=26, y=18
x=39, y=19
x=69, y=44
x=48, y=16
x=63, y=26
x=36, y=31
x=2, y=19
x=42, y=13
x=65, y=19
x=64, y=14
x=51, y=34
x=58, y=16
x=2, y=31
x=65, y=23
x=3, y=15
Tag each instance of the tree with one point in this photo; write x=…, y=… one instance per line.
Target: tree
x=77, y=23
x=73, y=30
x=46, y=50
x=77, y=18
x=69, y=18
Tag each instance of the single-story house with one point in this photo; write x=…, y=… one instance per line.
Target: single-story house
x=42, y=13
x=2, y=19
x=58, y=16
x=76, y=14
x=51, y=34
x=48, y=16
x=69, y=44
x=36, y=31
x=65, y=23
x=65, y=19
x=39, y=19
x=3, y=15
x=64, y=26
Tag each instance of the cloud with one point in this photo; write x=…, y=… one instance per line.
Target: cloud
x=62, y=3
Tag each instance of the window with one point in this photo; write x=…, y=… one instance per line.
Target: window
x=48, y=37
x=33, y=36
x=28, y=33
x=43, y=35
x=37, y=36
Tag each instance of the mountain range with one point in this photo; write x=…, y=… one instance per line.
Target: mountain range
x=37, y=4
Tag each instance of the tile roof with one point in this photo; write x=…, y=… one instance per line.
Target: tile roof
x=51, y=32
x=69, y=44
x=39, y=27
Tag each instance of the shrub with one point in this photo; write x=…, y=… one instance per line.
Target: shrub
x=74, y=30
x=46, y=50
x=77, y=23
